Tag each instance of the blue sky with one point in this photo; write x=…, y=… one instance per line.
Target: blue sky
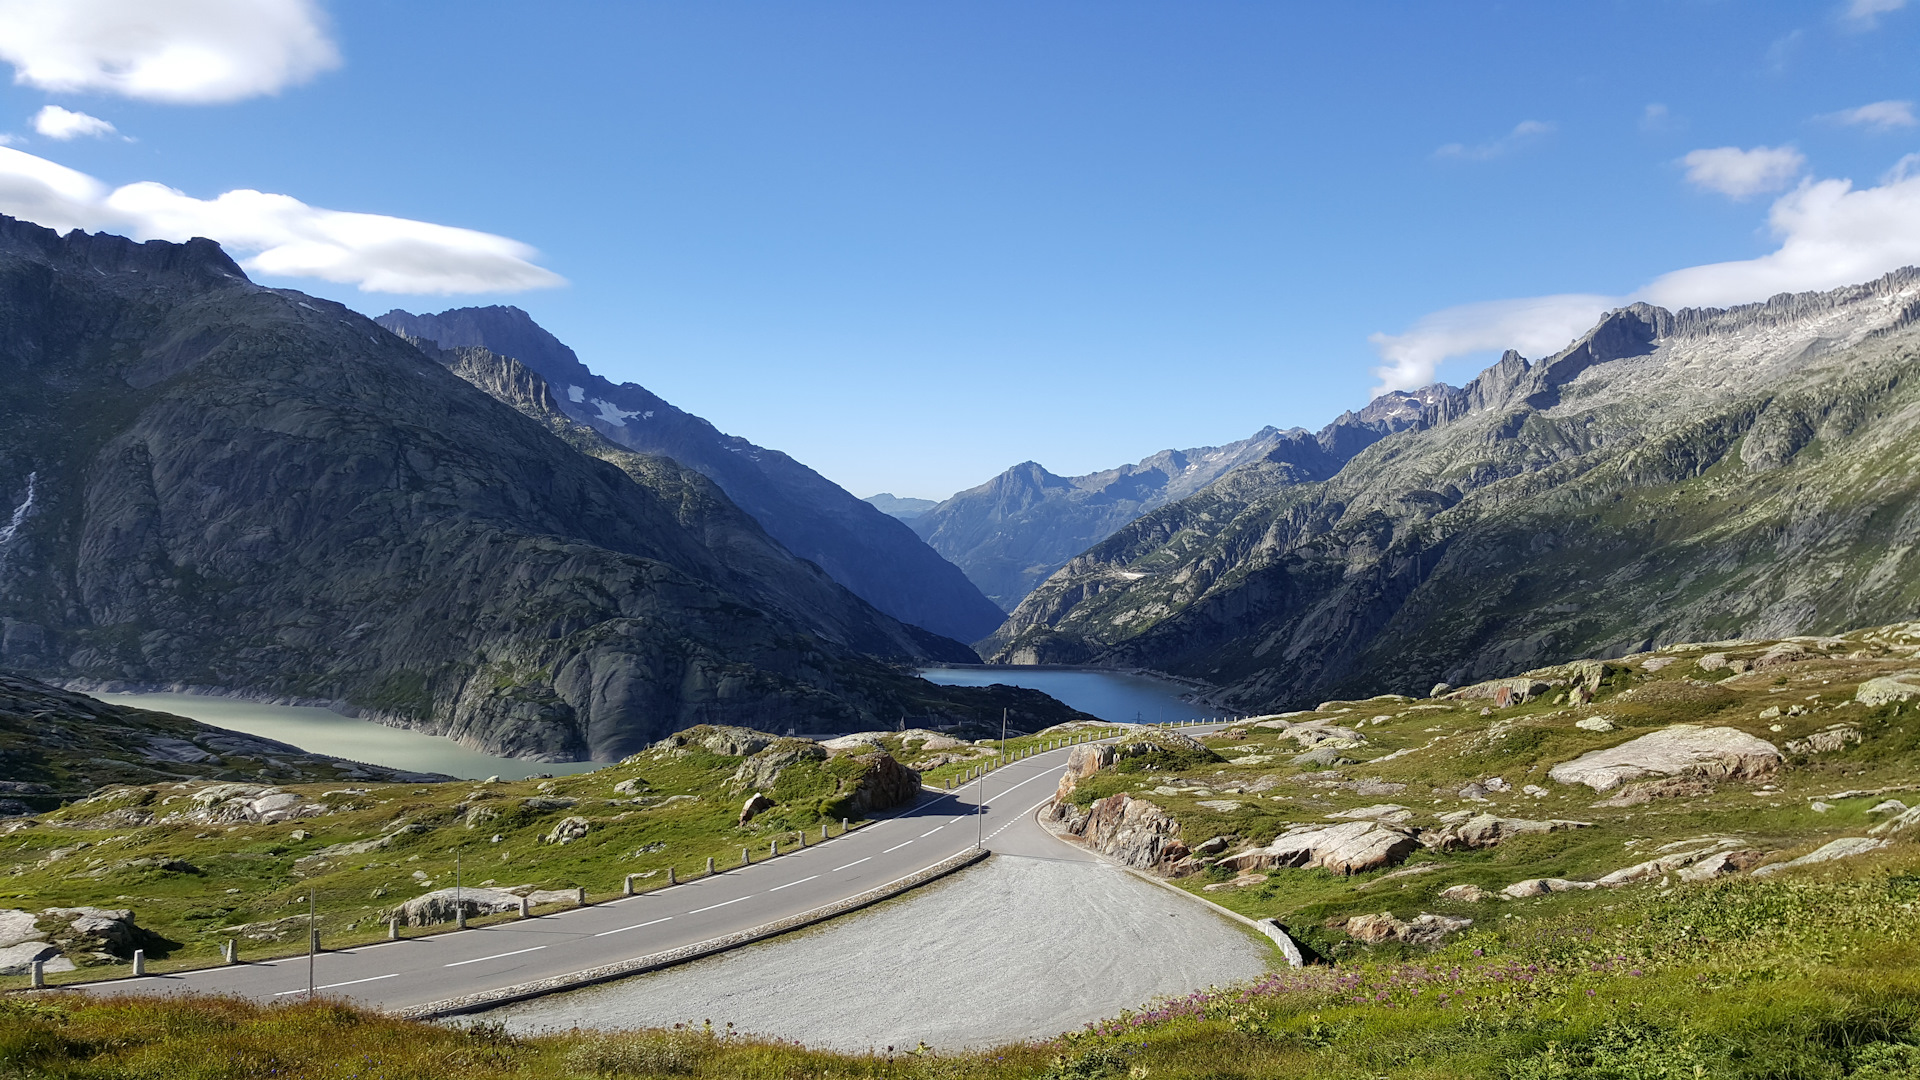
x=912, y=244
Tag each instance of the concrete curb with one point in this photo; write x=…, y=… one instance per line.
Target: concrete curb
x=487, y=999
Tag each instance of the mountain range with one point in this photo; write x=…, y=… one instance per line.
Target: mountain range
x=1670, y=476
x=1014, y=531
x=859, y=546
x=209, y=483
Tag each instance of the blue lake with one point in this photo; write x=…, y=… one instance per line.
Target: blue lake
x=1109, y=695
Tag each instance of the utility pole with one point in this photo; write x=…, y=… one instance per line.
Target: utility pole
x=313, y=929
x=979, y=802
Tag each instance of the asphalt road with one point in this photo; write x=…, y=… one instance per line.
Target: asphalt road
x=418, y=970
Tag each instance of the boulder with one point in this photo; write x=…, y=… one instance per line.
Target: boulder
x=1888, y=689
x=1844, y=848
x=884, y=784
x=1887, y=806
x=630, y=787
x=1721, y=864
x=444, y=905
x=1826, y=741
x=1542, y=886
x=1787, y=652
x=18, y=959
x=1899, y=823
x=549, y=802
x=1466, y=894
x=1353, y=847
x=97, y=930
x=1421, y=930
x=755, y=805
x=1390, y=813
x=1594, y=723
x=1683, y=749
x=1673, y=787
x=17, y=926
x=1131, y=831
x=1082, y=761
x=1713, y=661
x=930, y=740
x=762, y=770
x=567, y=830
x=857, y=743
x=1486, y=830
x=1324, y=756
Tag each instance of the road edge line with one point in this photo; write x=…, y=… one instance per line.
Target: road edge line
x=487, y=999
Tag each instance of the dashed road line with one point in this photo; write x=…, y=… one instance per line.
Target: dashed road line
x=850, y=865
x=495, y=956
x=721, y=904
x=895, y=848
x=635, y=926
x=791, y=884
x=329, y=986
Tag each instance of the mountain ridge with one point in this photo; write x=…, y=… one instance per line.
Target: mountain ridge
x=869, y=552
x=1685, y=464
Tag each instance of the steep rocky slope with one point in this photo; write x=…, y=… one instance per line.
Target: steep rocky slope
x=1670, y=476
x=874, y=555
x=214, y=483
x=1012, y=532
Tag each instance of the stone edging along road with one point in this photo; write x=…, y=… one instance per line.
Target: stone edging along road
x=487, y=999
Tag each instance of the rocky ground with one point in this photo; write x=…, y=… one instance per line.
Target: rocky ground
x=1396, y=821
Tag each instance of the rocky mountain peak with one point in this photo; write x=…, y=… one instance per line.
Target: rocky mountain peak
x=199, y=261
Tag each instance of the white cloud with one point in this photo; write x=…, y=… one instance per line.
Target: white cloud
x=179, y=51
x=1535, y=326
x=57, y=123
x=1878, y=116
x=1730, y=170
x=1523, y=132
x=1866, y=13
x=1830, y=233
x=279, y=235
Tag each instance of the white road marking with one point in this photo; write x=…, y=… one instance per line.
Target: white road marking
x=495, y=956
x=721, y=904
x=329, y=986
x=895, y=848
x=635, y=926
x=364, y=948
x=854, y=863
x=790, y=884
x=931, y=831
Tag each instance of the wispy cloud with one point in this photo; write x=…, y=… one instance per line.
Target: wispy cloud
x=1877, y=116
x=1830, y=234
x=278, y=235
x=180, y=51
x=1657, y=117
x=1739, y=173
x=1523, y=132
x=1865, y=14
x=57, y=123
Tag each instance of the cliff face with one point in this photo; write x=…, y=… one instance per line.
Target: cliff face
x=1670, y=476
x=876, y=556
x=209, y=482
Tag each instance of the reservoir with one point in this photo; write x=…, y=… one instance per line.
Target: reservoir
x=1117, y=696
x=323, y=731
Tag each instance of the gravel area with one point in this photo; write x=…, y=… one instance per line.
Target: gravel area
x=1012, y=949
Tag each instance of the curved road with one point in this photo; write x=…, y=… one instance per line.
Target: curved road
x=415, y=971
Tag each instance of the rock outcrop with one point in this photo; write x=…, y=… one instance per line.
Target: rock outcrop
x=1715, y=753
x=883, y=784
x=1132, y=832
x=1888, y=689
x=1844, y=848
x=1353, y=847
x=1467, y=830
x=1421, y=930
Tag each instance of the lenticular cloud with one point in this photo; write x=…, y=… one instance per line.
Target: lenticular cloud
x=278, y=235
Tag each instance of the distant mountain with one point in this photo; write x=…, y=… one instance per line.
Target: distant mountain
x=1670, y=476
x=207, y=483
x=1012, y=532
x=894, y=506
x=874, y=555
